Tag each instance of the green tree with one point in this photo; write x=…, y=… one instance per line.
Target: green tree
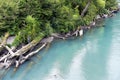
x=8, y=15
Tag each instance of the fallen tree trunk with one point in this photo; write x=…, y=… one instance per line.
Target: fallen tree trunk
x=10, y=52
x=4, y=40
x=47, y=40
x=56, y=35
x=75, y=33
x=4, y=57
x=26, y=48
x=18, y=57
x=10, y=58
x=34, y=52
x=86, y=8
x=31, y=54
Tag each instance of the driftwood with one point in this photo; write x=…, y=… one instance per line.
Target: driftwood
x=25, y=48
x=24, y=58
x=10, y=52
x=17, y=57
x=47, y=40
x=56, y=35
x=79, y=32
x=68, y=35
x=31, y=54
x=76, y=33
x=7, y=60
x=4, y=40
x=86, y=8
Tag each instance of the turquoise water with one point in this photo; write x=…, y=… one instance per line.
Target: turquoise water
x=95, y=56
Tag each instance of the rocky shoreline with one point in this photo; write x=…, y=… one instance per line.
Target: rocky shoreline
x=16, y=56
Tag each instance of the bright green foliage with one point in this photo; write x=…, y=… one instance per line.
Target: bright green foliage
x=29, y=32
x=32, y=27
x=101, y=3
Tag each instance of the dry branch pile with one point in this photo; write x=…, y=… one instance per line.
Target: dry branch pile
x=20, y=56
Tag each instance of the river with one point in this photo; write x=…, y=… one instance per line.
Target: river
x=95, y=56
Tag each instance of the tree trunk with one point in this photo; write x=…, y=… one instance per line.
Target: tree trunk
x=4, y=41
x=31, y=54
x=25, y=48
x=7, y=60
x=85, y=9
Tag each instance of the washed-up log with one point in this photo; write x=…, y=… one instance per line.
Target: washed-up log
x=9, y=49
x=68, y=35
x=4, y=40
x=47, y=40
x=75, y=33
x=8, y=59
x=4, y=57
x=31, y=54
x=26, y=48
x=56, y=35
x=10, y=52
x=86, y=8
x=34, y=52
x=92, y=24
x=5, y=65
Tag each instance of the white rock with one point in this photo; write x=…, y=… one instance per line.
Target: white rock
x=81, y=32
x=105, y=15
x=10, y=39
x=98, y=17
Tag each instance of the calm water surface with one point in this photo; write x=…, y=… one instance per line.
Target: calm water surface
x=96, y=56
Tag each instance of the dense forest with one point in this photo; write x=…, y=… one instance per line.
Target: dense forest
x=32, y=20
